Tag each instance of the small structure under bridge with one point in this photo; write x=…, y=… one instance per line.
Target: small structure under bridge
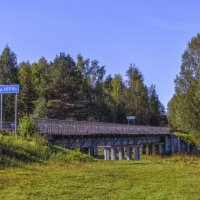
x=117, y=140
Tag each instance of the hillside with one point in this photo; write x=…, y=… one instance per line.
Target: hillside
x=17, y=151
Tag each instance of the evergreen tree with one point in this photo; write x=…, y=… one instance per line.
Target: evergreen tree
x=62, y=94
x=8, y=76
x=26, y=95
x=92, y=90
x=137, y=96
x=157, y=115
x=41, y=78
x=39, y=73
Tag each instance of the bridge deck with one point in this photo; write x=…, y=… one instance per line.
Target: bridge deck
x=64, y=127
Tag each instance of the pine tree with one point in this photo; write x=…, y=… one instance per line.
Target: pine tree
x=27, y=95
x=61, y=95
x=157, y=115
x=8, y=76
x=137, y=96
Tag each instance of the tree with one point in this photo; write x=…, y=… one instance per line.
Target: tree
x=92, y=90
x=137, y=95
x=61, y=94
x=39, y=73
x=157, y=115
x=117, y=94
x=184, y=109
x=27, y=94
x=8, y=75
x=41, y=78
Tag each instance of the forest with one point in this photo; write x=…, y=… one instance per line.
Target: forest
x=78, y=90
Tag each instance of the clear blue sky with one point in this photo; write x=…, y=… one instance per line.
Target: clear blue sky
x=150, y=33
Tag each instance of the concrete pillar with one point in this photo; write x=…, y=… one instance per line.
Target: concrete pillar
x=94, y=151
x=106, y=153
x=172, y=144
x=153, y=149
x=161, y=149
x=113, y=153
x=188, y=148
x=144, y=149
x=136, y=153
x=141, y=149
x=179, y=144
x=84, y=150
x=129, y=153
x=147, y=149
x=167, y=144
x=121, y=153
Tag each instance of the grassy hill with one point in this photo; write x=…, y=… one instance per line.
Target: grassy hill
x=18, y=151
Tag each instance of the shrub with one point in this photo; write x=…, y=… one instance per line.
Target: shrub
x=27, y=127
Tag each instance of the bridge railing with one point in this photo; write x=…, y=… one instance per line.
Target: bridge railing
x=65, y=127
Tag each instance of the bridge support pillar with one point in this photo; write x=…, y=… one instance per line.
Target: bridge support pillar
x=113, y=153
x=147, y=149
x=161, y=149
x=121, y=153
x=179, y=145
x=94, y=151
x=167, y=143
x=136, y=153
x=153, y=149
x=129, y=153
x=172, y=144
x=141, y=149
x=188, y=148
x=106, y=153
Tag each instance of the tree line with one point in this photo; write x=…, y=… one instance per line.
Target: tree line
x=78, y=90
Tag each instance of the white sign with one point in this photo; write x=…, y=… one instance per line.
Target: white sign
x=131, y=117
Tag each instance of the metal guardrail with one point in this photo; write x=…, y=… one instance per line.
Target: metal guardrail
x=66, y=127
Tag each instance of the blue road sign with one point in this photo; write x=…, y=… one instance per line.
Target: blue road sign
x=9, y=89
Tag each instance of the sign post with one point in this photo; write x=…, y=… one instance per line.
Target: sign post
x=131, y=118
x=1, y=110
x=9, y=89
x=16, y=114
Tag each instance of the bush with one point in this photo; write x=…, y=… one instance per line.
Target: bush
x=27, y=128
x=187, y=137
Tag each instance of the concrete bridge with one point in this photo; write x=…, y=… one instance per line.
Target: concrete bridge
x=116, y=140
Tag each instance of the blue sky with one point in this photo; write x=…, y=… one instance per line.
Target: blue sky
x=153, y=34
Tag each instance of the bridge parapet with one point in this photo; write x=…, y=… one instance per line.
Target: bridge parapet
x=65, y=127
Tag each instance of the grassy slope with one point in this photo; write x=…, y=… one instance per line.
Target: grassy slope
x=52, y=176
x=16, y=151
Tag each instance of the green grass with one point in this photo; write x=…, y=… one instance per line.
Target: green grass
x=17, y=151
x=149, y=178
x=55, y=173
